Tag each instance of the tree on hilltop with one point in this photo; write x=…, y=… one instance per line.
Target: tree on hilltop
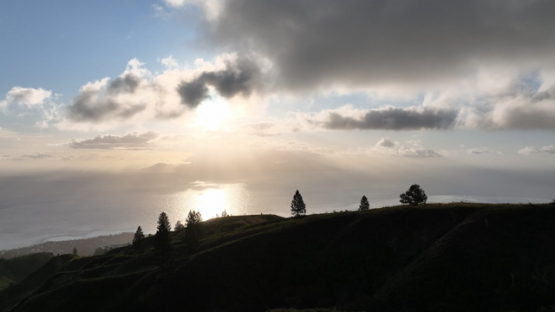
x=163, y=231
x=139, y=236
x=298, y=208
x=178, y=226
x=193, y=231
x=414, y=196
x=364, y=204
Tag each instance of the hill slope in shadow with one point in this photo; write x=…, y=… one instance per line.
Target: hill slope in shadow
x=455, y=257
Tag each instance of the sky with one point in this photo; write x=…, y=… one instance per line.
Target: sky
x=330, y=96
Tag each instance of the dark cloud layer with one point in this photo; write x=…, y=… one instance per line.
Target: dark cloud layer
x=129, y=141
x=125, y=84
x=93, y=106
x=393, y=119
x=361, y=42
x=241, y=77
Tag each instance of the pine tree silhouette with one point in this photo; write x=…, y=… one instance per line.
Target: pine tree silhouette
x=364, y=204
x=193, y=230
x=139, y=236
x=298, y=208
x=163, y=231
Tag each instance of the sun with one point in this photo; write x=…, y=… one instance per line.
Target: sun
x=213, y=113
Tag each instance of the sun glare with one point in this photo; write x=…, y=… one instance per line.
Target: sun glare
x=212, y=202
x=213, y=113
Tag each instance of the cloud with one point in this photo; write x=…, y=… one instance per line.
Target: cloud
x=384, y=142
x=263, y=129
x=169, y=62
x=4, y=133
x=212, y=8
x=529, y=150
x=132, y=141
x=119, y=99
x=520, y=109
x=389, y=118
x=240, y=76
x=137, y=95
x=314, y=44
x=479, y=151
x=386, y=146
x=160, y=12
x=37, y=156
x=27, y=97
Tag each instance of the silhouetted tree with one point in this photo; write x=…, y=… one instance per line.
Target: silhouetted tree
x=179, y=226
x=224, y=214
x=163, y=231
x=75, y=251
x=298, y=208
x=193, y=229
x=414, y=196
x=364, y=204
x=139, y=236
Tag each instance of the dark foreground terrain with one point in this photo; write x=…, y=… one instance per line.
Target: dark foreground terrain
x=438, y=257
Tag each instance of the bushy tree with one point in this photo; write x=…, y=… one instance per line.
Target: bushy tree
x=298, y=208
x=414, y=196
x=364, y=204
x=178, y=226
x=139, y=236
x=74, y=251
x=163, y=231
x=193, y=229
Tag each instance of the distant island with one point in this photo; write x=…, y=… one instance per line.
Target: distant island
x=85, y=247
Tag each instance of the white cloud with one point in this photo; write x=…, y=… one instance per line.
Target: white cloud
x=169, y=62
x=132, y=141
x=413, y=148
x=529, y=150
x=27, y=97
x=385, y=142
x=211, y=8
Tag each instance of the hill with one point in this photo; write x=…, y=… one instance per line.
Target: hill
x=85, y=246
x=16, y=269
x=450, y=257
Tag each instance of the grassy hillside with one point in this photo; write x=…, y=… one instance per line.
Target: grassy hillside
x=18, y=291
x=453, y=257
x=14, y=270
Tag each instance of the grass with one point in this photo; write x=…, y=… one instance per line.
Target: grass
x=15, y=269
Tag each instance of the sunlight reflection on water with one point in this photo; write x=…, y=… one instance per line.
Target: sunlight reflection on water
x=210, y=199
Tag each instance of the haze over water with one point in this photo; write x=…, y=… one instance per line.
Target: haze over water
x=91, y=215
x=114, y=111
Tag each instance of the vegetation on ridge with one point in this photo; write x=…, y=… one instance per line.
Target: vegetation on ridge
x=435, y=257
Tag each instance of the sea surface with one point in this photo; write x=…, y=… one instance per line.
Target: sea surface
x=44, y=217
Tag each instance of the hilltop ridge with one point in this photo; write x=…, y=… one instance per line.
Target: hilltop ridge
x=435, y=257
